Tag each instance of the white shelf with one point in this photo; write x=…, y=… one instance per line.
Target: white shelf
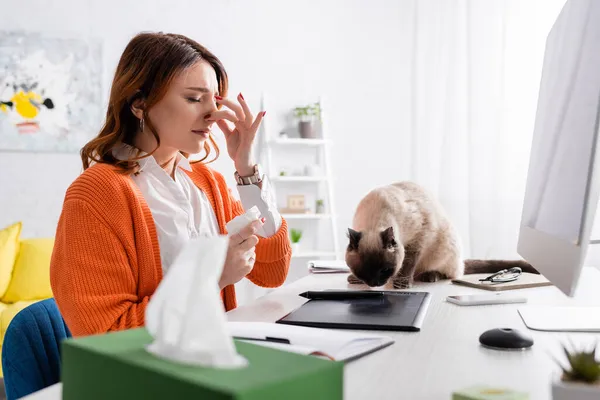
x=305, y=216
x=276, y=153
x=299, y=142
x=313, y=253
x=278, y=178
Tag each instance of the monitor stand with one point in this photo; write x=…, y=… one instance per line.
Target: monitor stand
x=561, y=319
x=579, y=314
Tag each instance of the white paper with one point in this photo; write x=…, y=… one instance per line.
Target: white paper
x=186, y=316
x=327, y=266
x=336, y=344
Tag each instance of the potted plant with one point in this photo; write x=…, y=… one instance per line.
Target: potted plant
x=307, y=115
x=581, y=380
x=296, y=235
x=320, y=206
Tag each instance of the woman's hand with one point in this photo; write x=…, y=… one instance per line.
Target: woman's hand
x=241, y=255
x=241, y=136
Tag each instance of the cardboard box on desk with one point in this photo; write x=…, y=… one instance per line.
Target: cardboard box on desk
x=117, y=366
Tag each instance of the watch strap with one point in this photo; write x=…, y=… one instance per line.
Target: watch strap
x=249, y=180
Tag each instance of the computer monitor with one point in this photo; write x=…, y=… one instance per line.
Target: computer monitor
x=563, y=180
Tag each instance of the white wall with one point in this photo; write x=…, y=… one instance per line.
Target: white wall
x=350, y=51
x=354, y=52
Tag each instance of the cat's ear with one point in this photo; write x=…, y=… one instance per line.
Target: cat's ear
x=354, y=237
x=387, y=238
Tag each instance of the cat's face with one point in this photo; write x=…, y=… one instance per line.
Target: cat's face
x=372, y=256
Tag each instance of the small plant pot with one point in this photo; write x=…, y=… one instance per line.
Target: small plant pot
x=295, y=248
x=320, y=209
x=562, y=390
x=307, y=130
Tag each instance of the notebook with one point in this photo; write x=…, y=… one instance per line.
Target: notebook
x=324, y=343
x=394, y=311
x=526, y=280
x=327, y=266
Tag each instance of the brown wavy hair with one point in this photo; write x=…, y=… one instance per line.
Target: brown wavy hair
x=147, y=67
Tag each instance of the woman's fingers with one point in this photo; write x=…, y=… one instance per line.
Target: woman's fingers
x=241, y=109
x=235, y=107
x=257, y=122
x=250, y=254
x=239, y=114
x=224, y=127
x=236, y=239
x=249, y=243
x=221, y=115
x=250, y=229
x=247, y=112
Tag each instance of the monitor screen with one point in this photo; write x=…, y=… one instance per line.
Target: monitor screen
x=565, y=126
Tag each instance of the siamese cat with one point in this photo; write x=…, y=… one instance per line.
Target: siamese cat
x=401, y=233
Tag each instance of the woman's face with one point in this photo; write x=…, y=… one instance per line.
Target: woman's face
x=179, y=117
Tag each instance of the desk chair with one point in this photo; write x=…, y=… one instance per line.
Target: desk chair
x=31, y=349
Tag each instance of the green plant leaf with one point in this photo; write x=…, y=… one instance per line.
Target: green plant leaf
x=583, y=365
x=296, y=235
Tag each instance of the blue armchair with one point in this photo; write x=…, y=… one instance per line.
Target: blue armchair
x=31, y=349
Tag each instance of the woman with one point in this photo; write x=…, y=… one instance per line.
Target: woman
x=139, y=199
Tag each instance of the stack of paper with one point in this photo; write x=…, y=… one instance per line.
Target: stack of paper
x=332, y=344
x=327, y=266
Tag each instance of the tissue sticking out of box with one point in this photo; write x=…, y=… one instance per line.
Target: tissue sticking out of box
x=185, y=315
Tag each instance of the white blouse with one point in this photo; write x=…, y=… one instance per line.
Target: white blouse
x=181, y=211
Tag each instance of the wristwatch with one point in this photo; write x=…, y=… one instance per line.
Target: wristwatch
x=257, y=177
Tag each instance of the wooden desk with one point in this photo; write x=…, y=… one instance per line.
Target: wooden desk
x=445, y=355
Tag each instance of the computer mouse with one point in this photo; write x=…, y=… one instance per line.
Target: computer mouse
x=506, y=339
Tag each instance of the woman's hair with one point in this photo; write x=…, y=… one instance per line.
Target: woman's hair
x=147, y=67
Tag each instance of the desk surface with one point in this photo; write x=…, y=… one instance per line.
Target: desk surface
x=445, y=355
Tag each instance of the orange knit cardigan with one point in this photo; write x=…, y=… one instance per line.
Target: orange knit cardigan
x=106, y=260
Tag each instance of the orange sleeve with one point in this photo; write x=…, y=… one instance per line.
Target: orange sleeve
x=273, y=254
x=92, y=280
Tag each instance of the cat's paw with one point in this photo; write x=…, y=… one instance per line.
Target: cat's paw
x=352, y=279
x=402, y=282
x=431, y=276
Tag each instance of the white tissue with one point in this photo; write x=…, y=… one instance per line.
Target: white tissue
x=186, y=316
x=241, y=221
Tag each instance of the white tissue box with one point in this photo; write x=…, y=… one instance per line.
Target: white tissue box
x=117, y=366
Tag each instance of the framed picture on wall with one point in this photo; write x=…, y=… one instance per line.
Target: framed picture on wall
x=50, y=92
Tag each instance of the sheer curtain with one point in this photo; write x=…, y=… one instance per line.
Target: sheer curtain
x=476, y=68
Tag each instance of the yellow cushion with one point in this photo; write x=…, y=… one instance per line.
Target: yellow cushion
x=14, y=309
x=31, y=275
x=2, y=308
x=8, y=313
x=9, y=248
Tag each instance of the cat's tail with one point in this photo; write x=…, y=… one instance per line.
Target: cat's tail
x=492, y=266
